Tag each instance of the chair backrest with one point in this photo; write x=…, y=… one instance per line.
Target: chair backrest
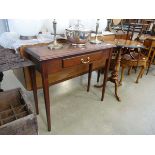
x=149, y=44
x=115, y=25
x=116, y=21
x=140, y=26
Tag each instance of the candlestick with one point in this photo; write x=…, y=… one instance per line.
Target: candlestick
x=96, y=41
x=55, y=44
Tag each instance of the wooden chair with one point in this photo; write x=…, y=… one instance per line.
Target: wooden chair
x=134, y=59
x=150, y=51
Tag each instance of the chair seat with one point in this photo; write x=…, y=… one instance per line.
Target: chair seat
x=134, y=57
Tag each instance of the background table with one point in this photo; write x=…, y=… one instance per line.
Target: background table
x=120, y=44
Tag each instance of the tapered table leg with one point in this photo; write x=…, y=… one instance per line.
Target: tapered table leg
x=44, y=74
x=107, y=65
x=34, y=87
x=98, y=75
x=89, y=76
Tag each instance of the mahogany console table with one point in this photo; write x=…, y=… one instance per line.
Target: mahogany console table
x=90, y=57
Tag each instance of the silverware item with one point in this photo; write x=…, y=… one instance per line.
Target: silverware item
x=55, y=44
x=96, y=41
x=77, y=35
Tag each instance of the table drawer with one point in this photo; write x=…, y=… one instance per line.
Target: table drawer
x=83, y=59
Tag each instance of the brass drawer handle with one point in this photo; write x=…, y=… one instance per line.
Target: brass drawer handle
x=85, y=62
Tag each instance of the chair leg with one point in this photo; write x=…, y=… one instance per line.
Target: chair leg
x=152, y=58
x=89, y=76
x=122, y=76
x=148, y=68
x=140, y=73
x=135, y=69
x=116, y=90
x=129, y=70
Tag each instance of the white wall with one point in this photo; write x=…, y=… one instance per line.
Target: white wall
x=62, y=24
x=2, y=26
x=32, y=27
x=25, y=27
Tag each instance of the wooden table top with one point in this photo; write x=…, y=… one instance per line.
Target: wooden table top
x=126, y=43
x=144, y=37
x=42, y=53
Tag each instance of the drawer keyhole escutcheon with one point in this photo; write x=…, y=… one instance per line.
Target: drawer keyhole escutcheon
x=85, y=62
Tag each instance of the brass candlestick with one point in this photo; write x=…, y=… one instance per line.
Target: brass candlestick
x=55, y=44
x=96, y=41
